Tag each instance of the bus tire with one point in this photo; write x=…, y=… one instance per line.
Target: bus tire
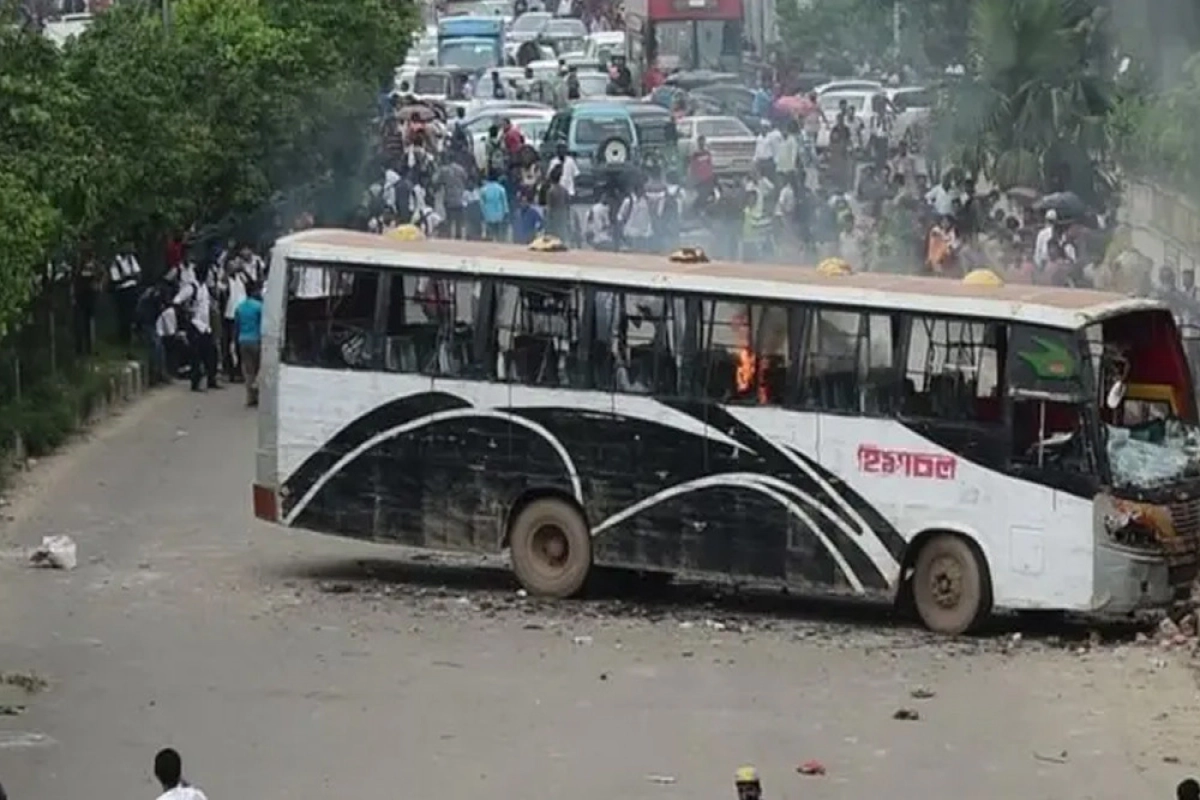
x=551, y=548
x=951, y=588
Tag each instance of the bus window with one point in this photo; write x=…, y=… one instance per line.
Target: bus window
x=878, y=370
x=746, y=352
x=952, y=371
x=637, y=340
x=831, y=361
x=537, y=334
x=330, y=317
x=430, y=323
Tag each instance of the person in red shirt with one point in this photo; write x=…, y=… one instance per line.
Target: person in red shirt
x=653, y=78
x=700, y=171
x=513, y=140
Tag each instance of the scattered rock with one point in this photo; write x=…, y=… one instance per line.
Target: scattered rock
x=1170, y=759
x=922, y=693
x=662, y=780
x=339, y=587
x=1060, y=758
x=906, y=714
x=686, y=626
x=687, y=653
x=1167, y=630
x=603, y=676
x=811, y=768
x=58, y=552
x=522, y=593
x=11, y=711
x=532, y=626
x=582, y=641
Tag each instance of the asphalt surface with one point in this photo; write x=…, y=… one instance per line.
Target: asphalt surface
x=289, y=665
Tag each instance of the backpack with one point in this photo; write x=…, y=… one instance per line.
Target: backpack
x=496, y=157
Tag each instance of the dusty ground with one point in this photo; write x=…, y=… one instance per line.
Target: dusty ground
x=285, y=665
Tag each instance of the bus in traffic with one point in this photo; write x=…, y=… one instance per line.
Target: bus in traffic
x=954, y=447
x=685, y=34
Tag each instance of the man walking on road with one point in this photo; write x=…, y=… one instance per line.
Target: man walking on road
x=248, y=319
x=168, y=768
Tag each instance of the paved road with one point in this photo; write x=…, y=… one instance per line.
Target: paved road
x=293, y=666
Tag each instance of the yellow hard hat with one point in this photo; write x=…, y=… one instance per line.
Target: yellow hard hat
x=406, y=233
x=983, y=277
x=746, y=774
x=834, y=266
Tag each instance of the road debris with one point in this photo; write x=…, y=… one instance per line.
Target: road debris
x=906, y=714
x=1061, y=758
x=662, y=780
x=58, y=552
x=30, y=682
x=813, y=767
x=337, y=587
x=582, y=641
x=11, y=711
x=922, y=693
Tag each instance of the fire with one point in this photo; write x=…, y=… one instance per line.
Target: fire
x=746, y=373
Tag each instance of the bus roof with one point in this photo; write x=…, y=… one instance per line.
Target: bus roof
x=470, y=26
x=1040, y=305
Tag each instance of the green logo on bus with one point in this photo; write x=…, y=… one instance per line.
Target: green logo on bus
x=1051, y=362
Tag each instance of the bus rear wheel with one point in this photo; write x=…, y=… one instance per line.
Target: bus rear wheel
x=551, y=548
x=951, y=589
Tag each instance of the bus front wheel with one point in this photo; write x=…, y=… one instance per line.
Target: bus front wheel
x=951, y=589
x=551, y=548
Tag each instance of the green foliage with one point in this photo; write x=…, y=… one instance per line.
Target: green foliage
x=240, y=112
x=1033, y=106
x=1157, y=133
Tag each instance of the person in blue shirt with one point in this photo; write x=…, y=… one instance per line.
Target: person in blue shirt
x=493, y=202
x=761, y=105
x=247, y=318
x=527, y=221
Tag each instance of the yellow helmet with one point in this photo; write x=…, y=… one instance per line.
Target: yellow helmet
x=833, y=266
x=406, y=233
x=746, y=774
x=983, y=277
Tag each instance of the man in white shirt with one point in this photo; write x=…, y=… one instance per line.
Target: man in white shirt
x=125, y=275
x=168, y=768
x=243, y=268
x=763, y=158
x=787, y=156
x=196, y=301
x=1041, y=245
x=637, y=226
x=942, y=197
x=570, y=170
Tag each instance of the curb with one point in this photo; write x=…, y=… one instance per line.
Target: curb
x=129, y=382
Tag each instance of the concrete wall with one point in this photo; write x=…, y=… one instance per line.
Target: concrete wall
x=1164, y=225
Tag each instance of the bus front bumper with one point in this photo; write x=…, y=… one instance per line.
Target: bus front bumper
x=1130, y=580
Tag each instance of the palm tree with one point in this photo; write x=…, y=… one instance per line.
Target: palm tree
x=1031, y=107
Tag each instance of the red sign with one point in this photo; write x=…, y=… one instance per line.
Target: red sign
x=665, y=10
x=882, y=461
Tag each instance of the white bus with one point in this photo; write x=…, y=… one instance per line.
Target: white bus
x=957, y=448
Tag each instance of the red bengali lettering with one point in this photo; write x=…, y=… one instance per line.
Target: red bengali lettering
x=875, y=460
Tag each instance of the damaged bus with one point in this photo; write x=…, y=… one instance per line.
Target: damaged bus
x=953, y=447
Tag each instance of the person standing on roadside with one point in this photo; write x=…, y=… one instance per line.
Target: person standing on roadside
x=452, y=178
x=196, y=300
x=125, y=277
x=248, y=320
x=168, y=769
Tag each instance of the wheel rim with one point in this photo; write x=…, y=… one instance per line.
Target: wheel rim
x=550, y=548
x=946, y=581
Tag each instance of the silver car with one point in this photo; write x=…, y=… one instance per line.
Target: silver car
x=729, y=141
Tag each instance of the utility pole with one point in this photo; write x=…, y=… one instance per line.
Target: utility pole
x=896, y=26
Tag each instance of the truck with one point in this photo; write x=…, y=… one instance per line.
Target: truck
x=471, y=42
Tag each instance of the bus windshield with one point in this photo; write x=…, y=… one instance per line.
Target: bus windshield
x=1146, y=400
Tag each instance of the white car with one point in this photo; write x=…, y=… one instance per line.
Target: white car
x=531, y=118
x=830, y=104
x=849, y=85
x=913, y=105
x=603, y=45
x=729, y=141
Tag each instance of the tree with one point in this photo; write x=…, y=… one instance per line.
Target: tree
x=1033, y=105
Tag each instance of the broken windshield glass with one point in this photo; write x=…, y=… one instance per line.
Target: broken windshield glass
x=1152, y=454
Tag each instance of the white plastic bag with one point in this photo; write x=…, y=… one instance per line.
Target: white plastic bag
x=56, y=551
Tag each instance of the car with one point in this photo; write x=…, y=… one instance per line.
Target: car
x=603, y=45
x=849, y=85
x=478, y=124
x=830, y=102
x=729, y=140
x=592, y=84
x=565, y=35
x=913, y=106
x=528, y=26
x=599, y=134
